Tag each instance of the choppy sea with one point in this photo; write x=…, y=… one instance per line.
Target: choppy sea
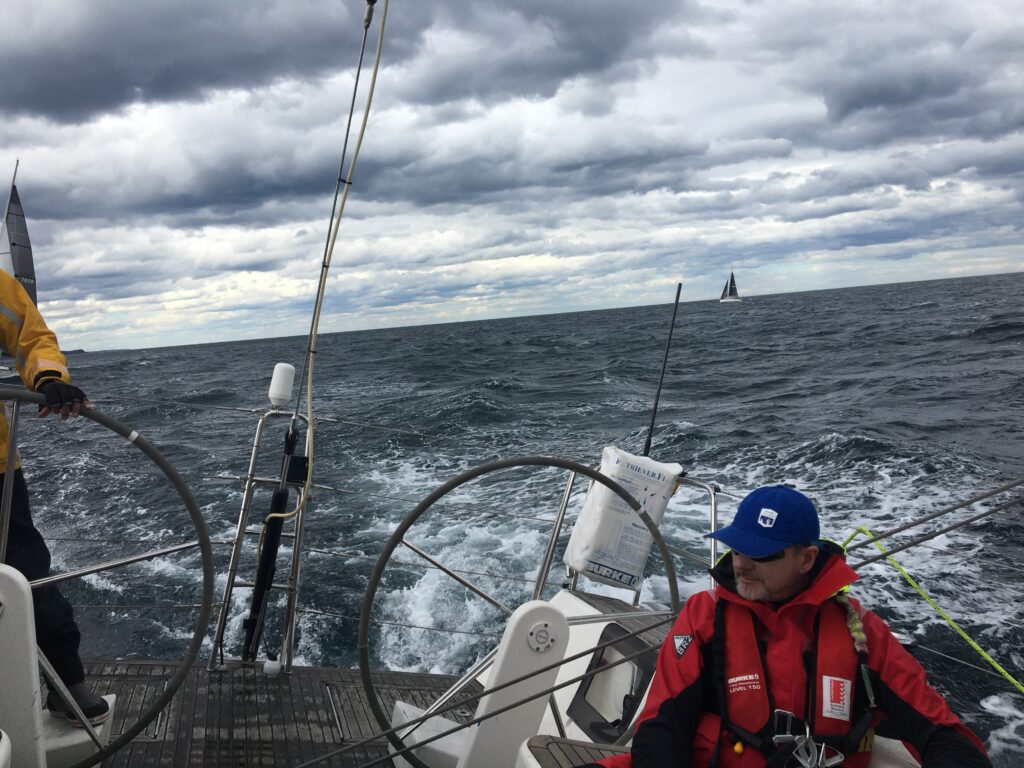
x=884, y=403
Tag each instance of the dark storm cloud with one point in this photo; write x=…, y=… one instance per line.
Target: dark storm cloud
x=893, y=85
x=112, y=283
x=229, y=194
x=74, y=62
x=151, y=53
x=925, y=75
x=148, y=53
x=490, y=51
x=474, y=179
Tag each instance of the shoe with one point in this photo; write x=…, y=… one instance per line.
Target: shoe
x=94, y=708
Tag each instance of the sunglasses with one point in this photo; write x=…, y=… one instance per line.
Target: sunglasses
x=767, y=558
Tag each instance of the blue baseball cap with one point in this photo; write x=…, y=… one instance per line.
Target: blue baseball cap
x=770, y=519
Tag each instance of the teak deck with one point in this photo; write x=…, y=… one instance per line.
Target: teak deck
x=552, y=752
x=242, y=717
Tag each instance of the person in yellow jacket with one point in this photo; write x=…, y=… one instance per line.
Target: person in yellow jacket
x=43, y=368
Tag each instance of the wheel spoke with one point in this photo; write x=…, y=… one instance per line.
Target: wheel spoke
x=60, y=577
x=464, y=582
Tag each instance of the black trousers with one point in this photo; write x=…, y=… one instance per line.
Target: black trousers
x=56, y=631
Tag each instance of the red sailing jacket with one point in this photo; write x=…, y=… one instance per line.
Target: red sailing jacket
x=680, y=726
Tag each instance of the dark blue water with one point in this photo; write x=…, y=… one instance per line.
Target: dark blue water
x=884, y=403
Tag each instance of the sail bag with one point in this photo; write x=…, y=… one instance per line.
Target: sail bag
x=609, y=542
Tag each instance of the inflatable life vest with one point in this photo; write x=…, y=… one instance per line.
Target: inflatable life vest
x=838, y=710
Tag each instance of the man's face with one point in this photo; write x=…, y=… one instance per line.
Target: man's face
x=773, y=580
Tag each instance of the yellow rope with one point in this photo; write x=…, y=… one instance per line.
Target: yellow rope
x=853, y=622
x=933, y=604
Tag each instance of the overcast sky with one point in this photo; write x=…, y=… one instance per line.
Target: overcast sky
x=178, y=160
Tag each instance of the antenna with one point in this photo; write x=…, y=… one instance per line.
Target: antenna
x=661, y=379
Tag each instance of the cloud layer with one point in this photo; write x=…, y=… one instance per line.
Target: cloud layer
x=178, y=162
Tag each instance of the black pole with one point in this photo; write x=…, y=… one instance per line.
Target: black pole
x=265, y=570
x=266, y=563
x=664, y=365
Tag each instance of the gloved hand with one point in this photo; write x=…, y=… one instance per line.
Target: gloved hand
x=65, y=398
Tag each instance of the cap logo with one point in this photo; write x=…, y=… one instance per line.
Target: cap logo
x=767, y=517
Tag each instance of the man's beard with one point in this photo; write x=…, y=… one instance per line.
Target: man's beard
x=754, y=592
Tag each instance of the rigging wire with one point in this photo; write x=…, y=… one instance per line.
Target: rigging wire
x=335, y=224
x=337, y=213
x=959, y=661
x=341, y=182
x=661, y=378
x=927, y=518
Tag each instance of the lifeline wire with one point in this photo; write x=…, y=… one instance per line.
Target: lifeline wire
x=956, y=627
x=934, y=534
x=261, y=411
x=927, y=518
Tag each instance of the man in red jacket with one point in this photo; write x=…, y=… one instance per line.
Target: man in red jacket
x=777, y=666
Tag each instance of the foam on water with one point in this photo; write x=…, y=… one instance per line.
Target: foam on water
x=1007, y=740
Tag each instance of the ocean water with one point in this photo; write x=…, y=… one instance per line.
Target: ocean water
x=884, y=403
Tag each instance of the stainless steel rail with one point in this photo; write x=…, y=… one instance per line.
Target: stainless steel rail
x=250, y=481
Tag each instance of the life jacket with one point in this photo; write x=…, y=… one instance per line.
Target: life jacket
x=839, y=703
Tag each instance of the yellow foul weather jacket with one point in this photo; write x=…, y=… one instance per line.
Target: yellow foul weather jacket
x=33, y=346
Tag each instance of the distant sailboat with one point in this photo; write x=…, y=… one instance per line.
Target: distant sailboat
x=729, y=293
x=15, y=248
